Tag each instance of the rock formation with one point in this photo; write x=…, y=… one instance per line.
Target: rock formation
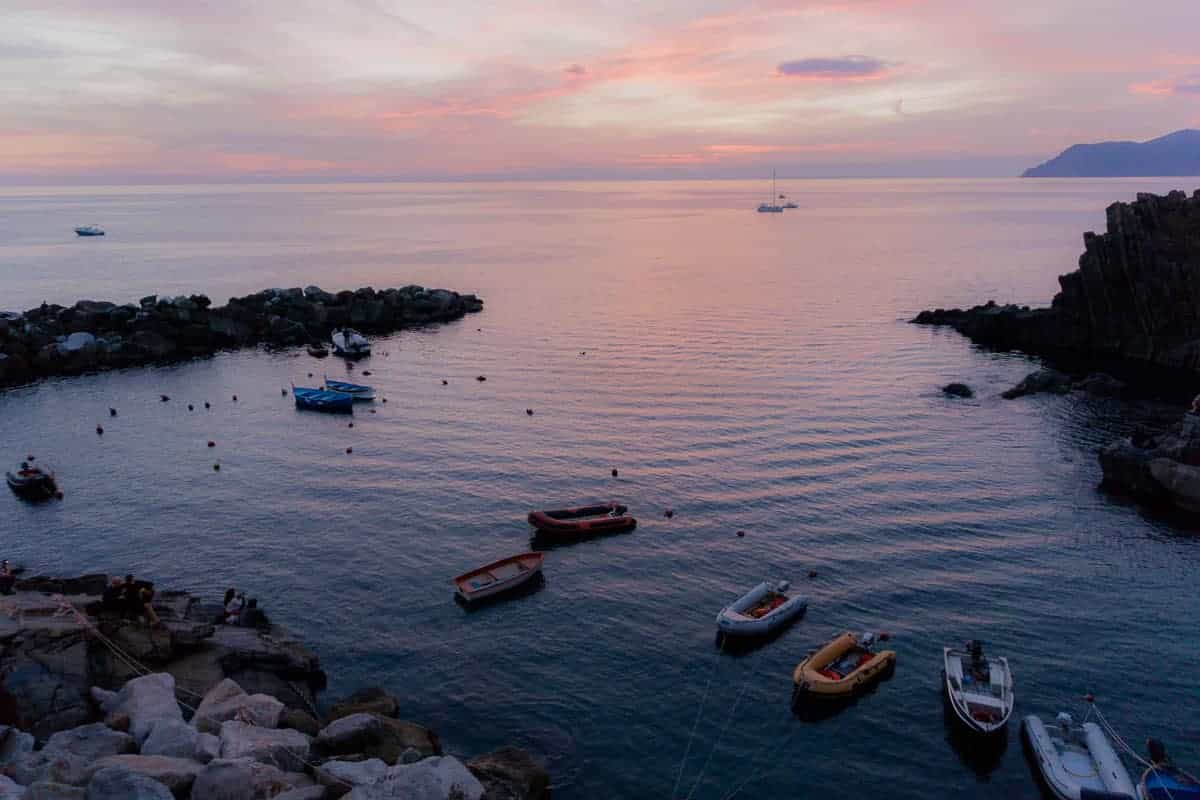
x=74, y=680
x=57, y=340
x=1135, y=296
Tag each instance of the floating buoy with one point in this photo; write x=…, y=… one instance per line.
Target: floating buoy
x=884, y=636
x=112, y=412
x=211, y=443
x=349, y=424
x=385, y=399
x=235, y=398
x=29, y=457
x=283, y=392
x=366, y=372
x=445, y=382
x=529, y=411
x=479, y=329
x=216, y=467
x=1089, y=698
x=162, y=398
x=100, y=430
x=58, y=495
x=349, y=450
x=310, y=374
x=190, y=407
x=481, y=378
x=206, y=405
x=614, y=473
x=670, y=512
x=371, y=410
x=583, y=352
x=741, y=534
x=812, y=573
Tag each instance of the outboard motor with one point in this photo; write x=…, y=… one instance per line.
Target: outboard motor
x=1157, y=750
x=975, y=648
x=867, y=640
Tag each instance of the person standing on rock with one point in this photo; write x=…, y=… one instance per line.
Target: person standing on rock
x=7, y=578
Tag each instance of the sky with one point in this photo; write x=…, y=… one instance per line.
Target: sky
x=158, y=90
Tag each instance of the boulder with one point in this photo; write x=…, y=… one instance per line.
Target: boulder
x=79, y=342
x=146, y=700
x=300, y=720
x=1101, y=384
x=91, y=742
x=208, y=747
x=352, y=734
x=153, y=345
x=443, y=778
x=1181, y=482
x=91, y=584
x=47, y=685
x=244, y=779
x=14, y=743
x=10, y=790
x=174, y=738
x=286, y=749
x=306, y=793
x=510, y=774
x=958, y=390
x=47, y=790
x=50, y=766
x=371, y=699
x=115, y=783
x=1042, y=380
x=342, y=776
x=177, y=774
x=227, y=700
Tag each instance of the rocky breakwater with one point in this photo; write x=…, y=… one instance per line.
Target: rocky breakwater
x=96, y=707
x=1158, y=467
x=1134, y=298
x=57, y=340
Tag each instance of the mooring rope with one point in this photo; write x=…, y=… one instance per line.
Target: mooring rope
x=696, y=724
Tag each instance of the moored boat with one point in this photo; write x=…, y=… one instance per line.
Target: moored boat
x=31, y=483
x=1162, y=780
x=978, y=687
x=89, y=230
x=1077, y=762
x=356, y=390
x=350, y=343
x=843, y=667
x=762, y=610
x=322, y=400
x=583, y=521
x=499, y=576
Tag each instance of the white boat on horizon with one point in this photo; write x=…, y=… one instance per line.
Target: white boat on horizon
x=89, y=230
x=350, y=343
x=764, y=609
x=1077, y=761
x=771, y=207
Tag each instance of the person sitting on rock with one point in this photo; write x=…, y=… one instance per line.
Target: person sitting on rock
x=110, y=600
x=250, y=617
x=145, y=601
x=233, y=607
x=128, y=596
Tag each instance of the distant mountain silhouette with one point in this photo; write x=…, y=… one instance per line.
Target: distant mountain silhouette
x=1176, y=153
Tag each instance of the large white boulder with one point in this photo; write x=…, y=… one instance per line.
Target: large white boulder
x=115, y=783
x=284, y=748
x=146, y=701
x=227, y=700
x=436, y=778
x=93, y=741
x=350, y=734
x=245, y=779
x=14, y=743
x=178, y=739
x=342, y=776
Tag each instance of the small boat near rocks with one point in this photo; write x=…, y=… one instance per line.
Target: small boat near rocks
x=583, y=521
x=499, y=576
x=322, y=400
x=761, y=611
x=1162, y=780
x=356, y=390
x=1077, y=762
x=31, y=483
x=978, y=687
x=89, y=230
x=842, y=668
x=349, y=343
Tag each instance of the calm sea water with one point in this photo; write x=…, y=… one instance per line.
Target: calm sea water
x=752, y=372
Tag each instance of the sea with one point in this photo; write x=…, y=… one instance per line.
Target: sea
x=755, y=374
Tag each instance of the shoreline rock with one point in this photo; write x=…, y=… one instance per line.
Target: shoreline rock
x=91, y=335
x=75, y=722
x=1133, y=299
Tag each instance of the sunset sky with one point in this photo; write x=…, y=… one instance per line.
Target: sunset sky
x=323, y=89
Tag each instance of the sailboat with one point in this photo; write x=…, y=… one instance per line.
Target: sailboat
x=772, y=207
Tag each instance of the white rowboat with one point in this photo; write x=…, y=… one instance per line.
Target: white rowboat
x=1077, y=762
x=762, y=610
x=979, y=688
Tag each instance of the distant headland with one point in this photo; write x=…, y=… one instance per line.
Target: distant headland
x=1175, y=154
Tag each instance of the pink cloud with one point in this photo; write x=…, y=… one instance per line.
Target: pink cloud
x=1170, y=86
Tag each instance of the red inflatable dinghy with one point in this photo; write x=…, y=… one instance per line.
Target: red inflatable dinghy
x=607, y=518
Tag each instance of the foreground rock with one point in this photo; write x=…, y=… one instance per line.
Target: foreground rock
x=58, y=340
x=1157, y=467
x=1133, y=297
x=1042, y=380
x=510, y=774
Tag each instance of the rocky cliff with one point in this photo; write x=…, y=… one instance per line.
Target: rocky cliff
x=58, y=340
x=1135, y=296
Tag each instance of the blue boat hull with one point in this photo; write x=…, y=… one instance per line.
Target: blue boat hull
x=320, y=400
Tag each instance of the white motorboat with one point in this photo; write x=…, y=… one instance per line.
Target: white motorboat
x=89, y=230
x=1077, y=762
x=978, y=687
x=350, y=343
x=762, y=610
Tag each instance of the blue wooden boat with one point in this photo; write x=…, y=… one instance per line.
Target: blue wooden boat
x=356, y=390
x=322, y=400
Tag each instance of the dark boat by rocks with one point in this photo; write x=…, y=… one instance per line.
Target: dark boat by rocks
x=583, y=521
x=32, y=483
